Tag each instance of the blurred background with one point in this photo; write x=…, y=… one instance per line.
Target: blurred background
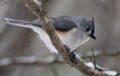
x=18, y=41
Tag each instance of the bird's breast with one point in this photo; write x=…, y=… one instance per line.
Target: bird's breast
x=67, y=38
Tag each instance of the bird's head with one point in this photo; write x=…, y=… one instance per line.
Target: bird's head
x=86, y=25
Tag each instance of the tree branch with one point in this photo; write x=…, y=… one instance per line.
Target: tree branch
x=36, y=8
x=30, y=60
x=42, y=61
x=49, y=60
x=117, y=54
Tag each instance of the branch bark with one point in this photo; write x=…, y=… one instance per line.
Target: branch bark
x=34, y=60
x=36, y=8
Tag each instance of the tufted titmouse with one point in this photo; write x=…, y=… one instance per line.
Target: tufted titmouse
x=73, y=31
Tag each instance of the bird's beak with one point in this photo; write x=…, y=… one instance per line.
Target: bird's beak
x=92, y=36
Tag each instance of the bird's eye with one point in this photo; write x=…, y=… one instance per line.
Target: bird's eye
x=87, y=29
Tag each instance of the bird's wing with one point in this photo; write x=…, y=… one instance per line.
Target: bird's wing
x=62, y=23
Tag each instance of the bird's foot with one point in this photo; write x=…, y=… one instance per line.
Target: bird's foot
x=73, y=56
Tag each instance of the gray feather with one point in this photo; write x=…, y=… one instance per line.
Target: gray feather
x=20, y=23
x=59, y=23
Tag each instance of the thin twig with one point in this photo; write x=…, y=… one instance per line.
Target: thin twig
x=102, y=55
x=93, y=59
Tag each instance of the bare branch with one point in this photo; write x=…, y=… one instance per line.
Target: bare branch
x=30, y=60
x=117, y=54
x=41, y=61
x=70, y=58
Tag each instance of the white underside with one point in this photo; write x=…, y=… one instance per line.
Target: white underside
x=71, y=41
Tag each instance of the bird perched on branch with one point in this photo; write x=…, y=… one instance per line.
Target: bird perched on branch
x=73, y=31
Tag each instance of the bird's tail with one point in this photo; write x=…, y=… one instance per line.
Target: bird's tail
x=20, y=23
x=34, y=25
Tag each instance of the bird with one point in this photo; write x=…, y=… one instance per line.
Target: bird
x=73, y=31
